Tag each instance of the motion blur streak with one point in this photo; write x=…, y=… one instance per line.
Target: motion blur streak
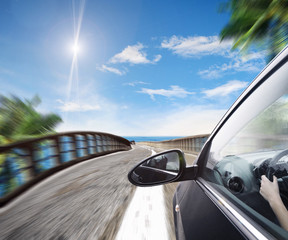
x=83, y=202
x=77, y=23
x=145, y=217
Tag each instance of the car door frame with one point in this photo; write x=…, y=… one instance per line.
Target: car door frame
x=245, y=224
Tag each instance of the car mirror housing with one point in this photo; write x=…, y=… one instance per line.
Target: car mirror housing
x=165, y=167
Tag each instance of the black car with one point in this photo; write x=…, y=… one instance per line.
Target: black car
x=218, y=197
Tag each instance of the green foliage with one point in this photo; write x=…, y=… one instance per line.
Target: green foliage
x=19, y=119
x=262, y=22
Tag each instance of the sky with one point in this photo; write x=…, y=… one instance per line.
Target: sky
x=126, y=67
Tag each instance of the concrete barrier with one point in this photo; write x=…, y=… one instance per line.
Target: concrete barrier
x=25, y=163
x=191, y=144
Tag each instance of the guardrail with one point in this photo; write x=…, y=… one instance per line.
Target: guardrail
x=192, y=144
x=23, y=164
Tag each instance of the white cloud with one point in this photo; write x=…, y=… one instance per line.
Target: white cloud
x=175, y=91
x=105, y=68
x=133, y=84
x=211, y=73
x=249, y=63
x=183, y=121
x=125, y=119
x=255, y=56
x=196, y=46
x=226, y=89
x=157, y=58
x=199, y=46
x=134, y=55
x=76, y=107
x=6, y=71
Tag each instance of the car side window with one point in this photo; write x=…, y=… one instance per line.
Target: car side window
x=254, y=142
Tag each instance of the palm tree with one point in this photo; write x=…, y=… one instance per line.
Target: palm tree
x=19, y=119
x=258, y=21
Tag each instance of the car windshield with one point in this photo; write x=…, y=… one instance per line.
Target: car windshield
x=265, y=134
x=259, y=127
x=251, y=143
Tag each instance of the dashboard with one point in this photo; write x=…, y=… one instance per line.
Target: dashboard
x=237, y=175
x=242, y=174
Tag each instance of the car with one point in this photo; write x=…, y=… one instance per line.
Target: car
x=218, y=197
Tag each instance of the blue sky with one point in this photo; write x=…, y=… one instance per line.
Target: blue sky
x=142, y=67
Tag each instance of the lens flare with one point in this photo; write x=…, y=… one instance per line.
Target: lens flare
x=76, y=49
x=73, y=82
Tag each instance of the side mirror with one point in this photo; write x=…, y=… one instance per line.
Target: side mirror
x=161, y=168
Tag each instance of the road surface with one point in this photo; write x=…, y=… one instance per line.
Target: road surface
x=85, y=201
x=145, y=217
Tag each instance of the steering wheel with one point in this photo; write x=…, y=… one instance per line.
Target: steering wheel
x=278, y=170
x=271, y=167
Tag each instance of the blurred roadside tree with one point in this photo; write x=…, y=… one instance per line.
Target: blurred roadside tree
x=19, y=119
x=263, y=22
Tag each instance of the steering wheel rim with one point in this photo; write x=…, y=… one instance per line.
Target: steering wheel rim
x=270, y=169
x=278, y=156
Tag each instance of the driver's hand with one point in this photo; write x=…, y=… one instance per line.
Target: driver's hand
x=269, y=190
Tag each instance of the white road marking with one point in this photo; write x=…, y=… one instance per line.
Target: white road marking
x=145, y=217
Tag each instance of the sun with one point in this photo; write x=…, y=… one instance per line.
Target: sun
x=76, y=48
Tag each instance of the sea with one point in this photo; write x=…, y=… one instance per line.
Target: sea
x=150, y=138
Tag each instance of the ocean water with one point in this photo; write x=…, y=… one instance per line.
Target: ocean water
x=150, y=138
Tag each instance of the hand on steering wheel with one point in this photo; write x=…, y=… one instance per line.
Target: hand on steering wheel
x=274, y=169
x=271, y=167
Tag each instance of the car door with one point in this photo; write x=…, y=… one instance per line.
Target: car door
x=224, y=202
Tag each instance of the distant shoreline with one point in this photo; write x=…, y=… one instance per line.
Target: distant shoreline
x=150, y=138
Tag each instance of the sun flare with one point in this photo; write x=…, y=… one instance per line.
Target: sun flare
x=75, y=48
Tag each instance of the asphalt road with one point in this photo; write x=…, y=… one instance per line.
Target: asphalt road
x=85, y=201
